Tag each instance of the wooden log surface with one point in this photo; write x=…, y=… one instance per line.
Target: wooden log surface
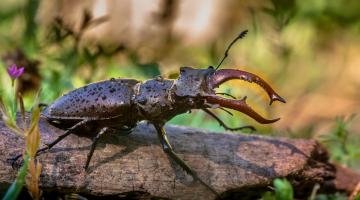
x=234, y=164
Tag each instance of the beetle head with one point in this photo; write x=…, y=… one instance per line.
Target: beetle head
x=198, y=86
x=193, y=82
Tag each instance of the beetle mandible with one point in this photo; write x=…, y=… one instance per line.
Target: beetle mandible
x=119, y=104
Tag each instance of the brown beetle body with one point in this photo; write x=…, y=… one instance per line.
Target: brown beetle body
x=124, y=102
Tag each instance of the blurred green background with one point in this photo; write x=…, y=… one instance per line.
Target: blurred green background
x=308, y=50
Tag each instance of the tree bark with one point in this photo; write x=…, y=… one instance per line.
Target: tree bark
x=236, y=165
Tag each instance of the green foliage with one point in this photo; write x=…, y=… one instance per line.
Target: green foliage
x=282, y=191
x=32, y=137
x=282, y=11
x=29, y=35
x=16, y=187
x=357, y=197
x=336, y=196
x=342, y=145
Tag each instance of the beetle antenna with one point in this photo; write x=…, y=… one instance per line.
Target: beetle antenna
x=241, y=35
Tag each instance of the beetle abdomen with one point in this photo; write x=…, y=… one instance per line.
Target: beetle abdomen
x=101, y=100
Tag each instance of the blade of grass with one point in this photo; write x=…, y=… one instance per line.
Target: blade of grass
x=16, y=187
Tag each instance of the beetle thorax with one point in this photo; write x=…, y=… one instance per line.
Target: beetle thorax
x=152, y=99
x=155, y=101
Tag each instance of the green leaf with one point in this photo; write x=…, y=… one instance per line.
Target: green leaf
x=357, y=197
x=16, y=187
x=283, y=189
x=147, y=69
x=29, y=34
x=268, y=196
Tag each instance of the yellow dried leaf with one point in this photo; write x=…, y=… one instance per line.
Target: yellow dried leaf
x=33, y=134
x=32, y=181
x=33, y=141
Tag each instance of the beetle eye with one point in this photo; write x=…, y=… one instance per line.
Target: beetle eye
x=210, y=67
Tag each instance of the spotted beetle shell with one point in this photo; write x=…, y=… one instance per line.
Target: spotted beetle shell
x=101, y=100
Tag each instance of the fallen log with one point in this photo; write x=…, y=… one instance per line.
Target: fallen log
x=236, y=165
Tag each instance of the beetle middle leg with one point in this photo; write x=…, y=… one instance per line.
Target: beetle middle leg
x=169, y=150
x=50, y=145
x=125, y=130
x=93, y=145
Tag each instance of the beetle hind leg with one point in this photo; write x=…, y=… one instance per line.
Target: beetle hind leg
x=50, y=145
x=169, y=150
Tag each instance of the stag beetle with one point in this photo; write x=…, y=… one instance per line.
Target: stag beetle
x=119, y=104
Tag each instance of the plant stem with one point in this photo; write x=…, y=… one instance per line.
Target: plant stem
x=16, y=187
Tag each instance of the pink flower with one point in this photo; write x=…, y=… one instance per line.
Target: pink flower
x=15, y=72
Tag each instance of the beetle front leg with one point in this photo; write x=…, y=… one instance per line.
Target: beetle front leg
x=169, y=150
x=224, y=125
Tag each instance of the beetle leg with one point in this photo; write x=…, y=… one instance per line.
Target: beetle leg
x=169, y=150
x=226, y=94
x=126, y=130
x=224, y=125
x=93, y=145
x=49, y=146
x=41, y=105
x=61, y=137
x=228, y=112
